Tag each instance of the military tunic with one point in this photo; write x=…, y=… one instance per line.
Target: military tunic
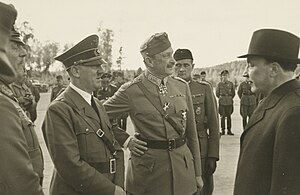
x=80, y=157
x=207, y=123
x=159, y=171
x=56, y=91
x=18, y=170
x=105, y=93
x=225, y=91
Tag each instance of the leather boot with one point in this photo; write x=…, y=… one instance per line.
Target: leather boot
x=229, y=132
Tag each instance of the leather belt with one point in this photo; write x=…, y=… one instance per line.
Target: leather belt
x=106, y=167
x=170, y=144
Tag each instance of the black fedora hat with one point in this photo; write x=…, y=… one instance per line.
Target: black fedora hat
x=273, y=43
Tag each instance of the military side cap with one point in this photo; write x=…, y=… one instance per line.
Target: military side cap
x=85, y=52
x=202, y=73
x=157, y=43
x=275, y=44
x=8, y=16
x=224, y=72
x=182, y=54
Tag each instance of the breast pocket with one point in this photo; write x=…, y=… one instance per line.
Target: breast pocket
x=198, y=104
x=91, y=147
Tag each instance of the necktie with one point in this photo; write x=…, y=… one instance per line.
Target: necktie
x=93, y=103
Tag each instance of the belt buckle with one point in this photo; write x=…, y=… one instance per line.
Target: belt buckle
x=112, y=165
x=171, y=144
x=100, y=132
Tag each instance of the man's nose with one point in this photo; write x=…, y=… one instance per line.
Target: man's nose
x=245, y=73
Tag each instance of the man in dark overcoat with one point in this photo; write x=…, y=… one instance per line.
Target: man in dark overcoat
x=269, y=157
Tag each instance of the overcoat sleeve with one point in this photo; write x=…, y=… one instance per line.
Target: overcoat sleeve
x=286, y=156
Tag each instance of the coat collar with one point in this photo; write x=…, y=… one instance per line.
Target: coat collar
x=271, y=101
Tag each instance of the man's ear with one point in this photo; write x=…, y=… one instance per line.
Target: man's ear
x=275, y=69
x=148, y=61
x=74, y=70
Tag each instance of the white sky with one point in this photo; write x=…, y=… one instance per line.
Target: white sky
x=215, y=30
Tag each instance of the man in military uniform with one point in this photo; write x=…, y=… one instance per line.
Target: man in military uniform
x=18, y=171
x=107, y=89
x=205, y=111
x=77, y=131
x=161, y=109
x=57, y=88
x=225, y=92
x=248, y=100
x=25, y=99
x=269, y=153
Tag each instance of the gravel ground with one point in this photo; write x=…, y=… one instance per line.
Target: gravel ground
x=229, y=149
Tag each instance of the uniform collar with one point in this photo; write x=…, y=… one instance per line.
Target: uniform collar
x=154, y=79
x=6, y=90
x=85, y=95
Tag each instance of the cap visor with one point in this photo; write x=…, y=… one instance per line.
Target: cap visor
x=5, y=66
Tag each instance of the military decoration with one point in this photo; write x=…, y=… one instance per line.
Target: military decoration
x=162, y=89
x=166, y=106
x=198, y=110
x=183, y=115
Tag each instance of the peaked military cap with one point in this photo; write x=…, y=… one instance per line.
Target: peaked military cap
x=8, y=16
x=106, y=75
x=155, y=44
x=181, y=54
x=274, y=43
x=85, y=52
x=224, y=72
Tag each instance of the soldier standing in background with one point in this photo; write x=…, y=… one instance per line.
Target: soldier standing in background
x=57, y=89
x=206, y=117
x=225, y=91
x=107, y=89
x=161, y=109
x=248, y=100
x=18, y=173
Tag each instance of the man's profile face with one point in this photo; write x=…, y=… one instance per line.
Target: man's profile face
x=259, y=73
x=224, y=77
x=202, y=77
x=90, y=77
x=60, y=82
x=163, y=63
x=184, y=68
x=16, y=55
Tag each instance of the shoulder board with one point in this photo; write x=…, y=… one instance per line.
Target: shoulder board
x=130, y=83
x=179, y=79
x=113, y=85
x=202, y=82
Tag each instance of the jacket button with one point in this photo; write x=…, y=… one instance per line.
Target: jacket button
x=86, y=129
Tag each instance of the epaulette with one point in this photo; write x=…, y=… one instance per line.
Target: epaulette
x=130, y=83
x=113, y=85
x=179, y=79
x=202, y=82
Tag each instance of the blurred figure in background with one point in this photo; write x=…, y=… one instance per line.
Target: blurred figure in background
x=225, y=91
x=107, y=89
x=57, y=88
x=248, y=100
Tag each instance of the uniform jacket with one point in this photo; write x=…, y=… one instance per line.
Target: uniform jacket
x=104, y=94
x=33, y=146
x=246, y=95
x=159, y=171
x=75, y=148
x=205, y=112
x=225, y=92
x=16, y=172
x=56, y=91
x=269, y=154
x=24, y=96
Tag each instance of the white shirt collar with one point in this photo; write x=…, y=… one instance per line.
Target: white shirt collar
x=85, y=95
